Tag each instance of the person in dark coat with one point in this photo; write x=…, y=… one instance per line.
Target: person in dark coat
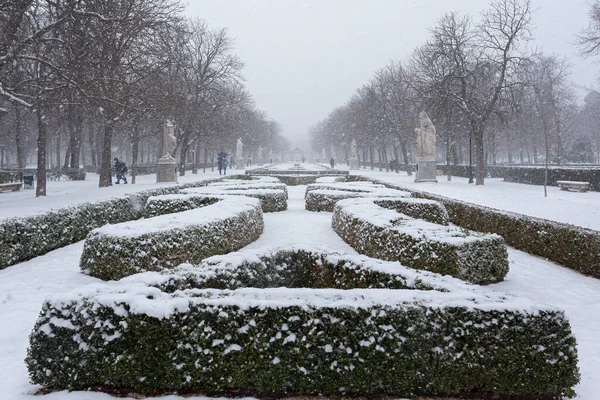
x=332, y=162
x=224, y=165
x=120, y=171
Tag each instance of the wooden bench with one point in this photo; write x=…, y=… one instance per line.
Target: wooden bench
x=580, y=186
x=11, y=187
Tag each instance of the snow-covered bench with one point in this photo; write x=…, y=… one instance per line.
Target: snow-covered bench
x=226, y=224
x=382, y=233
x=228, y=325
x=577, y=185
x=11, y=187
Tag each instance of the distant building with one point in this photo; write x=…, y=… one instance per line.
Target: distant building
x=296, y=155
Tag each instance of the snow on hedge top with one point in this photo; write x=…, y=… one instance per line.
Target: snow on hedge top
x=296, y=167
x=327, y=179
x=364, y=188
x=151, y=301
x=247, y=183
x=367, y=210
x=233, y=261
x=226, y=207
x=231, y=191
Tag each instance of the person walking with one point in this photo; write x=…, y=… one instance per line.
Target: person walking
x=120, y=171
x=224, y=165
x=332, y=162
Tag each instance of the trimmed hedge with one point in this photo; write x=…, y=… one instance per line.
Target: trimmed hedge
x=151, y=333
x=323, y=196
x=572, y=246
x=115, y=251
x=535, y=175
x=568, y=245
x=175, y=203
x=377, y=232
x=428, y=210
x=24, y=238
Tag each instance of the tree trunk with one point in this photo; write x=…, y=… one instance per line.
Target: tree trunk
x=75, y=139
x=405, y=157
x=479, y=155
x=371, y=157
x=105, y=171
x=196, y=157
x=40, y=189
x=135, y=146
x=448, y=150
x=67, y=156
x=92, y=143
x=19, y=138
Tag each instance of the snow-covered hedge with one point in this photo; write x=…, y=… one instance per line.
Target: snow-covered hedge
x=161, y=242
x=429, y=210
x=271, y=200
x=23, y=238
x=572, y=246
x=323, y=197
x=153, y=333
x=175, y=203
x=385, y=234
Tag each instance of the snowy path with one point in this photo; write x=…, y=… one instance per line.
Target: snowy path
x=23, y=288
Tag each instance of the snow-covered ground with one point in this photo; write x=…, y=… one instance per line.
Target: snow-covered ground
x=23, y=287
x=63, y=193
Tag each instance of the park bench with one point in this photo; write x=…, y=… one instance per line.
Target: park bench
x=580, y=186
x=10, y=187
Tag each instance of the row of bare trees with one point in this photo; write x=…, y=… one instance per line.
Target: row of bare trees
x=491, y=99
x=82, y=81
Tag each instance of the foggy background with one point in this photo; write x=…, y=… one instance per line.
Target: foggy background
x=305, y=57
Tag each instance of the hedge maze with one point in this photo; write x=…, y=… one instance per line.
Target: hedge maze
x=192, y=313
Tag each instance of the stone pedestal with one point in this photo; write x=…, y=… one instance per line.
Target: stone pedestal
x=165, y=171
x=354, y=164
x=425, y=171
x=240, y=163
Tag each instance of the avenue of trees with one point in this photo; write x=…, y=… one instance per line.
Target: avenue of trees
x=490, y=97
x=83, y=81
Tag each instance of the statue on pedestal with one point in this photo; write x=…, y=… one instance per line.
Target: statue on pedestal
x=239, y=148
x=165, y=171
x=425, y=138
x=354, y=164
x=169, y=141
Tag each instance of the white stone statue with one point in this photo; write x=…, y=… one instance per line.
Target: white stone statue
x=239, y=148
x=353, y=151
x=259, y=154
x=169, y=140
x=425, y=138
x=323, y=155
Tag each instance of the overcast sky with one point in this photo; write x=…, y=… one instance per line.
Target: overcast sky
x=305, y=57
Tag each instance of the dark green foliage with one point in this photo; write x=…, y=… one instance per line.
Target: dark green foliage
x=477, y=258
x=165, y=204
x=572, y=246
x=212, y=347
x=114, y=257
x=24, y=238
x=292, y=269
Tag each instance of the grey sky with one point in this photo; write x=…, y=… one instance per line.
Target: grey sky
x=305, y=57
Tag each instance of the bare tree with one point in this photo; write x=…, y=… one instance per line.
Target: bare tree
x=470, y=64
